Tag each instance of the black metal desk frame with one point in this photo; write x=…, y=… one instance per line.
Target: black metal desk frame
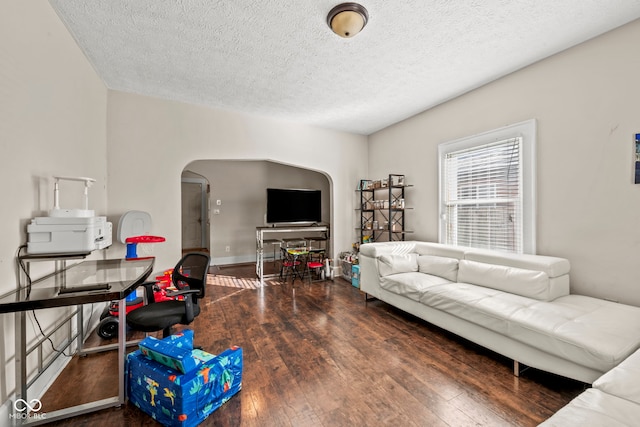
x=122, y=276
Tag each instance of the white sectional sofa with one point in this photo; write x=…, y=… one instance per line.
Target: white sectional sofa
x=614, y=400
x=516, y=305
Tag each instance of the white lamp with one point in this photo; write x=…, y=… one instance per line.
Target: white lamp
x=347, y=19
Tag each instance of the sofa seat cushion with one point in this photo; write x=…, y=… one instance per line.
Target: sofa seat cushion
x=410, y=285
x=592, y=332
x=623, y=380
x=593, y=408
x=483, y=306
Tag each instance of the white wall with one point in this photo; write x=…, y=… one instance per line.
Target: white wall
x=587, y=104
x=151, y=141
x=52, y=122
x=241, y=188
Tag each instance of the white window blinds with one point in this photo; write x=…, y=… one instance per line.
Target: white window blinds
x=482, y=196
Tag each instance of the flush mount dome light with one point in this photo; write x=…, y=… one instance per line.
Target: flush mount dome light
x=347, y=19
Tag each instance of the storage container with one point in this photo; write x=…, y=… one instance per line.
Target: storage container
x=355, y=276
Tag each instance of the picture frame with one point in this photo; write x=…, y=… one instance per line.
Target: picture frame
x=637, y=160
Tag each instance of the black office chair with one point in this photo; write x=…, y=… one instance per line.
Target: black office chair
x=190, y=278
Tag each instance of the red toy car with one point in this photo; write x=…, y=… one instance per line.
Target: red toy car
x=108, y=326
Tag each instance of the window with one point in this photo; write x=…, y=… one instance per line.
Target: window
x=487, y=190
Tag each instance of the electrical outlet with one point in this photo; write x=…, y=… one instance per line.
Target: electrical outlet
x=218, y=202
x=227, y=249
x=216, y=211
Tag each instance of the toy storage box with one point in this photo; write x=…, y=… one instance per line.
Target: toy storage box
x=355, y=275
x=175, y=398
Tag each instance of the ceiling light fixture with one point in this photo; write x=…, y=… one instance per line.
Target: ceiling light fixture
x=347, y=19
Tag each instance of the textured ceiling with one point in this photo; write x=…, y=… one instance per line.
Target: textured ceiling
x=279, y=59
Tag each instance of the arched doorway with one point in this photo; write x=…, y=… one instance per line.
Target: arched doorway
x=237, y=201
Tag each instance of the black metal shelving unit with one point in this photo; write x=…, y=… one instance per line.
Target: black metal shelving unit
x=382, y=209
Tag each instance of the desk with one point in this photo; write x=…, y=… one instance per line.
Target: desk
x=260, y=238
x=117, y=278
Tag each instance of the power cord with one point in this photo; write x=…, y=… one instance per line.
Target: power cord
x=23, y=267
x=48, y=338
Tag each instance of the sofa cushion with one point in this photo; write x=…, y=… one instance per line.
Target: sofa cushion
x=519, y=281
x=395, y=263
x=483, y=306
x=552, y=266
x=374, y=250
x=410, y=285
x=444, y=267
x=595, y=333
x=593, y=408
x=173, y=351
x=623, y=380
x=438, y=249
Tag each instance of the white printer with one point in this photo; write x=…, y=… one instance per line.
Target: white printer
x=69, y=230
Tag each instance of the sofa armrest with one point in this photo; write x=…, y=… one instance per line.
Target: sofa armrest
x=369, y=275
x=173, y=351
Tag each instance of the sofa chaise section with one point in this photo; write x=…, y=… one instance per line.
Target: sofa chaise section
x=613, y=401
x=516, y=305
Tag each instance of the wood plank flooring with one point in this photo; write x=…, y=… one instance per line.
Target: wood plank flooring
x=318, y=355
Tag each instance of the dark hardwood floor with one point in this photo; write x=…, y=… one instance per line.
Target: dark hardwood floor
x=318, y=355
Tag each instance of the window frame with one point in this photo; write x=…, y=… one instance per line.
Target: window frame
x=527, y=130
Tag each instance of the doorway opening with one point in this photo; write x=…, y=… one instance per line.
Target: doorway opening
x=195, y=192
x=237, y=203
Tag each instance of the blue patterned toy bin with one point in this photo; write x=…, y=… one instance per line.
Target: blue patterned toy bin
x=180, y=386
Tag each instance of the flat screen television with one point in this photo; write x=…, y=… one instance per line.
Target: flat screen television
x=293, y=206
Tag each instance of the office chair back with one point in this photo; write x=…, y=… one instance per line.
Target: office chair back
x=189, y=277
x=191, y=271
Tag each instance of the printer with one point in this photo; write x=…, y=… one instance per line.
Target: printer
x=69, y=230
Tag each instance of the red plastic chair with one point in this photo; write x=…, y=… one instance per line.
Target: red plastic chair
x=315, y=263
